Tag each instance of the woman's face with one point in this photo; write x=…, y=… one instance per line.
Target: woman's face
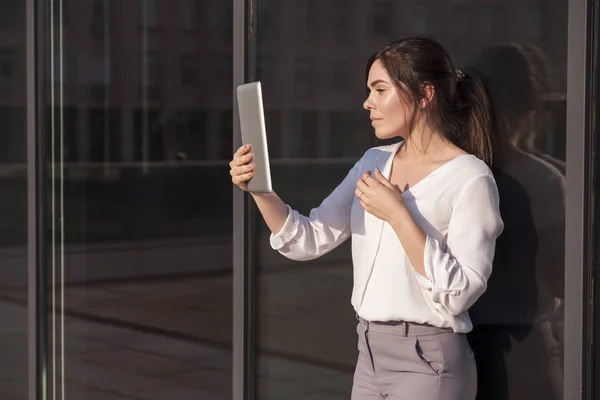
x=388, y=110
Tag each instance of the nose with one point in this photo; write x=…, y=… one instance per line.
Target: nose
x=368, y=104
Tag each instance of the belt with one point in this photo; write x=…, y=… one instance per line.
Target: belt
x=403, y=328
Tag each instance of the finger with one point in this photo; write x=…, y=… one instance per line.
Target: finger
x=365, y=175
x=238, y=179
x=241, y=151
x=242, y=170
x=244, y=159
x=362, y=186
x=358, y=193
x=382, y=179
x=240, y=159
x=367, y=178
x=242, y=176
x=370, y=181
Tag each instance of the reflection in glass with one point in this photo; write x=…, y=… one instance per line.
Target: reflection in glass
x=13, y=210
x=382, y=18
x=306, y=326
x=140, y=254
x=518, y=320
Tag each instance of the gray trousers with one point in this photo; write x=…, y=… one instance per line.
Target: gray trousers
x=405, y=361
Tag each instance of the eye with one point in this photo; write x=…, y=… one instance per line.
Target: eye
x=380, y=90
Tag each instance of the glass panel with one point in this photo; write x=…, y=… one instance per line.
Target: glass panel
x=139, y=254
x=313, y=86
x=13, y=213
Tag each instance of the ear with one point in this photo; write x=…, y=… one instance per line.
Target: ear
x=428, y=92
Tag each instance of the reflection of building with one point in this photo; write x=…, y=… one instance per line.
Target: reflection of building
x=159, y=89
x=125, y=85
x=311, y=56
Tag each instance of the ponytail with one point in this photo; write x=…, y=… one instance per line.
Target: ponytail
x=460, y=109
x=473, y=111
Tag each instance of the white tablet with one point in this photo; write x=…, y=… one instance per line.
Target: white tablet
x=254, y=133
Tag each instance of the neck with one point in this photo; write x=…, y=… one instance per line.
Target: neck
x=424, y=144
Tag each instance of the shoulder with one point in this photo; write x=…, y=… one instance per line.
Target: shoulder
x=541, y=170
x=468, y=168
x=473, y=178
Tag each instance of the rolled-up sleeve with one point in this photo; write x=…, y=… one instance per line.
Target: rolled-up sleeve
x=327, y=226
x=287, y=232
x=457, y=273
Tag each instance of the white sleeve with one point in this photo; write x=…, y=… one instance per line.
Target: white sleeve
x=457, y=274
x=327, y=226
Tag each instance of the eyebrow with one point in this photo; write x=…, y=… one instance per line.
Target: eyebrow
x=377, y=81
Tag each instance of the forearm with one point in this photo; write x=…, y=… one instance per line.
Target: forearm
x=273, y=210
x=412, y=238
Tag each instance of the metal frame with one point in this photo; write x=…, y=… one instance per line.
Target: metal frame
x=578, y=268
x=245, y=217
x=36, y=228
x=240, y=326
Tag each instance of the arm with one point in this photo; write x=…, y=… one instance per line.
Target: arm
x=456, y=275
x=272, y=208
x=550, y=219
x=412, y=237
x=327, y=226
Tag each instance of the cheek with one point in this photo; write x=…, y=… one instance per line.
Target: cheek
x=394, y=111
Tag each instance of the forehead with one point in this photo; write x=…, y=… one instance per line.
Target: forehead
x=377, y=72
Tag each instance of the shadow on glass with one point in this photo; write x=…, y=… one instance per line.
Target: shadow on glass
x=518, y=321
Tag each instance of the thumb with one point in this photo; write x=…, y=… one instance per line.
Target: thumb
x=382, y=179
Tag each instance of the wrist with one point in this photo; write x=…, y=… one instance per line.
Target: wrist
x=399, y=216
x=260, y=195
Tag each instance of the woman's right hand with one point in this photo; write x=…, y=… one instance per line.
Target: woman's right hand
x=241, y=169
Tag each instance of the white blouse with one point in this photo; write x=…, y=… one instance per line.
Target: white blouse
x=456, y=206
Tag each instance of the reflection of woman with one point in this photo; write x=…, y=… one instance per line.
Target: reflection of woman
x=423, y=215
x=517, y=321
x=540, y=83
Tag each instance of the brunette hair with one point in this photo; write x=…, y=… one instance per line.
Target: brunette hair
x=459, y=110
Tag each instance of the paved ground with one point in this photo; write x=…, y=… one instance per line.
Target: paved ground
x=154, y=321
x=171, y=339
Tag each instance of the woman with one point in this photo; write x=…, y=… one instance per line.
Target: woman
x=423, y=216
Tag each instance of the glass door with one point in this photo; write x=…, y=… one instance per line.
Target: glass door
x=14, y=228
x=138, y=122
x=310, y=56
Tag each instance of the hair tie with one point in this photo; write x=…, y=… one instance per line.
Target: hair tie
x=459, y=75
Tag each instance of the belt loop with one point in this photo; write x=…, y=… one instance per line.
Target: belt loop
x=405, y=329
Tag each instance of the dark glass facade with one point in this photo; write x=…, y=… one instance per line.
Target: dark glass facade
x=131, y=269
x=310, y=57
x=139, y=218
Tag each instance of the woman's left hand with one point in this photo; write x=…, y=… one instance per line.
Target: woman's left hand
x=378, y=196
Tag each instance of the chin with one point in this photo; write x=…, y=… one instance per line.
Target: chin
x=382, y=135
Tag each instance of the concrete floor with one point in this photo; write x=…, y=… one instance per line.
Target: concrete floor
x=171, y=339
